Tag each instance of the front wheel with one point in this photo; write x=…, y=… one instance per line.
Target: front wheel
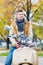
x=25, y=64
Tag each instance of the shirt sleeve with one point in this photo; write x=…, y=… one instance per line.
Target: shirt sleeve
x=13, y=41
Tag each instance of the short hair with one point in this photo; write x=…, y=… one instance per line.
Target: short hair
x=19, y=11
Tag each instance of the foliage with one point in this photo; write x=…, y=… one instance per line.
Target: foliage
x=12, y=6
x=38, y=15
x=4, y=54
x=39, y=12
x=38, y=30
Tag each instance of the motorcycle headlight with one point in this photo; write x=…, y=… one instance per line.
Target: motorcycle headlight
x=23, y=41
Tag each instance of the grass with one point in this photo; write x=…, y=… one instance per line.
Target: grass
x=4, y=54
x=40, y=53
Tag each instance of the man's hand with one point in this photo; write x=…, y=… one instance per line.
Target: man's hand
x=18, y=45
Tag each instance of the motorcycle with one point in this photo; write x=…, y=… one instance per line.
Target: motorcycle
x=24, y=55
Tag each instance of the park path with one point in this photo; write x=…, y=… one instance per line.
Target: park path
x=3, y=58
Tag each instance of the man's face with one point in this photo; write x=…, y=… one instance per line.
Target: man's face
x=20, y=15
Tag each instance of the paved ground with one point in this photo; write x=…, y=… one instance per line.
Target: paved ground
x=40, y=60
x=2, y=60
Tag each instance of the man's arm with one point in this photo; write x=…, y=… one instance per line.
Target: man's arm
x=15, y=43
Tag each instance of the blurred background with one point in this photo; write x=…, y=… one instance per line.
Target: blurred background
x=33, y=10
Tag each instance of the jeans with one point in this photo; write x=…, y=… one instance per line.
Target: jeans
x=9, y=57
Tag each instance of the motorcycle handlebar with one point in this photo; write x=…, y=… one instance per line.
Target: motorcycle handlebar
x=23, y=42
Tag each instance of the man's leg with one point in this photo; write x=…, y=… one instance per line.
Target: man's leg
x=9, y=58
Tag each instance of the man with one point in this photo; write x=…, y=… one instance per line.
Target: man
x=19, y=26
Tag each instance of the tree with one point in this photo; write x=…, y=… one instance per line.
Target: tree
x=38, y=17
x=11, y=6
x=38, y=30
x=38, y=13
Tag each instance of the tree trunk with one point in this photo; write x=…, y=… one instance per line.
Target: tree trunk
x=7, y=43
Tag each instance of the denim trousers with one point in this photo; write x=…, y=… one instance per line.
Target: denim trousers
x=9, y=57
